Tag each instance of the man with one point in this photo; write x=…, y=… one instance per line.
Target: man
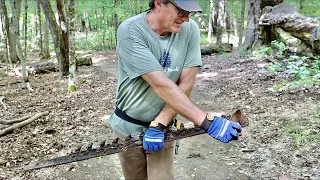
x=159, y=53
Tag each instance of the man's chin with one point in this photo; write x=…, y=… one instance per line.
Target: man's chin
x=176, y=30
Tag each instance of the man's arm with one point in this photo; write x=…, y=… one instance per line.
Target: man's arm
x=185, y=83
x=177, y=101
x=169, y=92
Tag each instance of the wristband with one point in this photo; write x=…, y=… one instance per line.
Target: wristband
x=157, y=125
x=205, y=125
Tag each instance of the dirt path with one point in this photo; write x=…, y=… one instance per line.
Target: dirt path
x=267, y=149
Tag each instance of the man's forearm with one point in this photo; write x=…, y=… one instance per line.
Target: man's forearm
x=168, y=113
x=168, y=91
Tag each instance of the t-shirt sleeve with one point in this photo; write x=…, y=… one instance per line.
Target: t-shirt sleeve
x=135, y=57
x=193, y=55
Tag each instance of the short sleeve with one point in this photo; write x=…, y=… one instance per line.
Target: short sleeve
x=193, y=55
x=135, y=57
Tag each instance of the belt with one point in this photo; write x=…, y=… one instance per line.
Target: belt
x=126, y=117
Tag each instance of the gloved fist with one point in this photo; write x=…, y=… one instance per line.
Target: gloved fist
x=153, y=139
x=221, y=128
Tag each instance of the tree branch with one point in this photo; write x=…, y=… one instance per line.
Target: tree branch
x=1, y=98
x=21, y=124
x=5, y=122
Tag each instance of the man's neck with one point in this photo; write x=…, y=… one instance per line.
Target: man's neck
x=154, y=24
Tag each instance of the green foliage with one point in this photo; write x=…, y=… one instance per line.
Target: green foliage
x=279, y=87
x=302, y=135
x=100, y=17
x=280, y=47
x=225, y=55
x=276, y=49
x=306, y=71
x=72, y=89
x=264, y=50
x=275, y=67
x=2, y=72
x=310, y=7
x=83, y=81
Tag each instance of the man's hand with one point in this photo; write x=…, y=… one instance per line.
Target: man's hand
x=153, y=139
x=221, y=128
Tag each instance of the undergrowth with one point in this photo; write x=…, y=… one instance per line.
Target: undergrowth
x=304, y=70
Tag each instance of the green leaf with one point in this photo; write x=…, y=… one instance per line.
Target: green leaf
x=72, y=89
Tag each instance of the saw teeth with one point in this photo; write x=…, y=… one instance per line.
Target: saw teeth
x=128, y=138
x=77, y=149
x=87, y=146
x=102, y=143
x=115, y=141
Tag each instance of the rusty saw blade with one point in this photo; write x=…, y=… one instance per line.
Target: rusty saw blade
x=111, y=148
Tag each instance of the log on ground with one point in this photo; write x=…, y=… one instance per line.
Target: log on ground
x=285, y=16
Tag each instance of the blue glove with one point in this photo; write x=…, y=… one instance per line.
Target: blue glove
x=153, y=139
x=221, y=128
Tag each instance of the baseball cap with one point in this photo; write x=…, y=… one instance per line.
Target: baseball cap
x=188, y=5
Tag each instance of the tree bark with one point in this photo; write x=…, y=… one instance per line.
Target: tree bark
x=56, y=35
x=10, y=36
x=16, y=9
x=285, y=16
x=72, y=68
x=210, y=21
x=252, y=33
x=39, y=31
x=64, y=41
x=243, y=9
x=4, y=20
x=217, y=22
x=46, y=51
x=25, y=76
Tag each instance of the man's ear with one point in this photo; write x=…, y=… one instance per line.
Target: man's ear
x=157, y=3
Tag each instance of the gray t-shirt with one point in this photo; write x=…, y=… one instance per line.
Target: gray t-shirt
x=140, y=51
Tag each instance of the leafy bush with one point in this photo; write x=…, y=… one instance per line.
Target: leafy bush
x=306, y=71
x=276, y=49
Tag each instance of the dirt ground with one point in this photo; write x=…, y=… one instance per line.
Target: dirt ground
x=267, y=149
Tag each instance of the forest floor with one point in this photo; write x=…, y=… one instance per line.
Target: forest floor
x=277, y=144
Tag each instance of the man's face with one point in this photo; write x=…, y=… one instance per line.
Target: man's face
x=170, y=17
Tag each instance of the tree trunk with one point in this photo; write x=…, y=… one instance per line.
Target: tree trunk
x=10, y=36
x=301, y=4
x=64, y=41
x=72, y=68
x=55, y=33
x=217, y=22
x=23, y=60
x=243, y=9
x=116, y=19
x=16, y=9
x=39, y=31
x=252, y=32
x=46, y=50
x=284, y=16
x=104, y=29
x=210, y=21
x=4, y=18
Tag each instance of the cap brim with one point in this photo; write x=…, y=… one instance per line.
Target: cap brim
x=189, y=5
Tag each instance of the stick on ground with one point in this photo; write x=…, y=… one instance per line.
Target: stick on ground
x=6, y=122
x=1, y=98
x=23, y=123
